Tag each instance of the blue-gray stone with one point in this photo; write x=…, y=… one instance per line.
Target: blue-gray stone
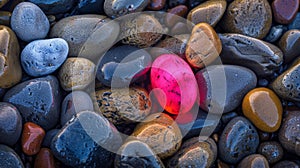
x=9, y=158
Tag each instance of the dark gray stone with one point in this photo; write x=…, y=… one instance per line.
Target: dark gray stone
x=9, y=158
x=49, y=137
x=52, y=7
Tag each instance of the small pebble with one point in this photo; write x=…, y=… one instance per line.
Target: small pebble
x=175, y=15
x=9, y=158
x=156, y=4
x=289, y=43
x=254, y=161
x=272, y=150
x=44, y=159
x=32, y=138
x=285, y=10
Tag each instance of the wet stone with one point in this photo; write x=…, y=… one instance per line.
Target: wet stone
x=90, y=6
x=117, y=8
x=175, y=15
x=289, y=44
x=32, y=138
x=194, y=3
x=54, y=6
x=9, y=158
x=156, y=4
x=285, y=10
x=48, y=137
x=295, y=23
x=275, y=33
x=252, y=161
x=44, y=159
x=272, y=150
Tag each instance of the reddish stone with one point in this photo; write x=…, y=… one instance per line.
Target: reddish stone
x=32, y=138
x=285, y=10
x=156, y=4
x=173, y=15
x=44, y=159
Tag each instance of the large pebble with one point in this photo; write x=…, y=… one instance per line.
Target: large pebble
x=238, y=140
x=272, y=150
x=285, y=10
x=10, y=68
x=32, y=138
x=263, y=108
x=137, y=154
x=43, y=57
x=9, y=158
x=239, y=81
x=29, y=22
x=88, y=140
x=117, y=8
x=99, y=34
x=253, y=161
x=289, y=44
x=11, y=124
x=248, y=17
x=44, y=159
x=262, y=57
x=38, y=100
x=53, y=7
x=161, y=133
x=203, y=47
x=176, y=90
x=195, y=152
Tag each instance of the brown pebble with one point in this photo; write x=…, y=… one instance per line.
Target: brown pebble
x=44, y=159
x=175, y=15
x=285, y=10
x=32, y=138
x=156, y=4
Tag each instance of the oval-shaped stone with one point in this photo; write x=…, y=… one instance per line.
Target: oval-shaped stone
x=203, y=47
x=261, y=57
x=209, y=12
x=44, y=159
x=38, y=100
x=248, y=17
x=74, y=103
x=289, y=133
x=29, y=22
x=76, y=73
x=238, y=140
x=175, y=15
x=10, y=124
x=43, y=57
x=10, y=68
x=272, y=150
x=176, y=90
x=161, y=133
x=289, y=44
x=90, y=6
x=195, y=152
x=53, y=7
x=117, y=8
x=88, y=140
x=286, y=164
x=32, y=138
x=9, y=158
x=263, y=108
x=137, y=154
x=238, y=82
x=285, y=10
x=99, y=34
x=255, y=160
x=125, y=105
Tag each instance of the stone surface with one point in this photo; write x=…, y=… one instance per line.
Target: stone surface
x=286, y=164
x=43, y=57
x=254, y=160
x=289, y=44
x=52, y=7
x=76, y=74
x=38, y=100
x=10, y=124
x=285, y=10
x=32, y=138
x=5, y=18
x=10, y=69
x=248, y=17
x=272, y=150
x=263, y=108
x=209, y=12
x=44, y=159
x=295, y=23
x=9, y=158
x=203, y=47
x=117, y=8
x=125, y=105
x=156, y=4
x=261, y=57
x=90, y=6
x=29, y=22
x=175, y=15
x=49, y=136
x=275, y=33
x=161, y=133
x=238, y=140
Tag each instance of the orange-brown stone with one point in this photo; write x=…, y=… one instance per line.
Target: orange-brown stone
x=44, y=159
x=32, y=138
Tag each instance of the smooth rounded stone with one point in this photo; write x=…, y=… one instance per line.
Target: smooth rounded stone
x=125, y=105
x=261, y=57
x=123, y=65
x=10, y=68
x=203, y=47
x=38, y=100
x=43, y=57
x=135, y=153
x=272, y=150
x=173, y=3
x=90, y=6
x=289, y=133
x=254, y=161
x=29, y=22
x=161, y=133
x=48, y=137
x=74, y=103
x=196, y=152
x=175, y=90
x=3, y=2
x=238, y=140
x=99, y=34
x=180, y=28
x=295, y=23
x=286, y=164
x=239, y=81
x=289, y=44
x=275, y=33
x=44, y=159
x=117, y=8
x=10, y=124
x=175, y=15
x=52, y=7
x=209, y=12
x=141, y=30
x=89, y=140
x=285, y=10
x=263, y=108
x=156, y=4
x=32, y=138
x=248, y=17
x=5, y=18
x=9, y=158
x=287, y=84
x=76, y=74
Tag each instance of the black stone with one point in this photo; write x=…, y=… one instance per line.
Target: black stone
x=52, y=7
x=90, y=6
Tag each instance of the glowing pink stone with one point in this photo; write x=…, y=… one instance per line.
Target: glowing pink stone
x=174, y=83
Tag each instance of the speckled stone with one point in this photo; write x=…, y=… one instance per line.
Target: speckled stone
x=248, y=17
x=9, y=158
x=52, y=7
x=117, y=8
x=32, y=138
x=262, y=57
x=285, y=10
x=289, y=44
x=272, y=150
x=254, y=161
x=275, y=33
